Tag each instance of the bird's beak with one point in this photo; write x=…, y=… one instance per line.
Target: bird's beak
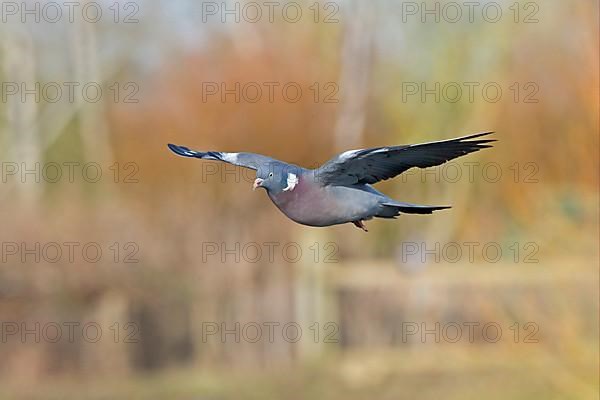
x=257, y=183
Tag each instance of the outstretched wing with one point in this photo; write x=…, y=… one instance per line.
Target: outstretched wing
x=381, y=163
x=246, y=160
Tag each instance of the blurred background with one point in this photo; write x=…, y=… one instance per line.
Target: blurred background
x=128, y=272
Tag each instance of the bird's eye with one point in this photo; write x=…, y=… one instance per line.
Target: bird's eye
x=271, y=175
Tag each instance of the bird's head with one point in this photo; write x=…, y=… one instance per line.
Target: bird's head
x=276, y=178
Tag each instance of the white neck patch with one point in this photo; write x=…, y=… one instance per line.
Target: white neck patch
x=292, y=181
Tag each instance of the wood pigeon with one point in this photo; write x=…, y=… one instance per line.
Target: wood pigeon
x=340, y=191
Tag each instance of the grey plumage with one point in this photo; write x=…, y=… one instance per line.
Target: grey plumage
x=340, y=191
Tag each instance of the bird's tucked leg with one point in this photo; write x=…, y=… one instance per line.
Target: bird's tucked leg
x=361, y=225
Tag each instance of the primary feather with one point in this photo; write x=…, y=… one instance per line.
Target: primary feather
x=380, y=163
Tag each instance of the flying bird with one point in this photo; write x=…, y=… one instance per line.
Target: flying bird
x=340, y=190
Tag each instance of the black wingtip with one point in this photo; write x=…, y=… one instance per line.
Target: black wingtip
x=477, y=144
x=477, y=135
x=438, y=208
x=180, y=150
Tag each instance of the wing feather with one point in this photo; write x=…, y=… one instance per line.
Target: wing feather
x=368, y=166
x=246, y=160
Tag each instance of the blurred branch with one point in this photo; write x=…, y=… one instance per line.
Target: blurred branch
x=93, y=128
x=356, y=65
x=19, y=63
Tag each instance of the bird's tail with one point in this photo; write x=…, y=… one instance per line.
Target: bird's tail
x=393, y=209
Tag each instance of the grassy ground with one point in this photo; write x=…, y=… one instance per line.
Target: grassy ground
x=449, y=372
